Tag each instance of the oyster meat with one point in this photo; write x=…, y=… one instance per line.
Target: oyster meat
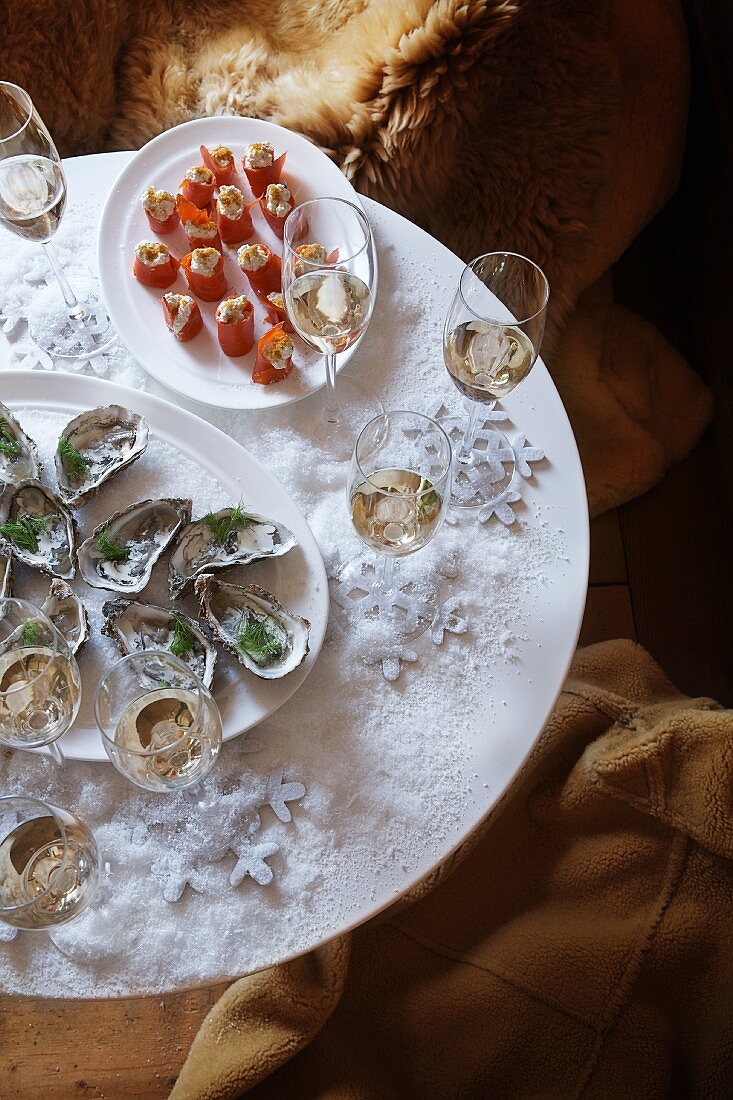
x=264, y=636
x=94, y=447
x=121, y=552
x=67, y=613
x=38, y=529
x=6, y=576
x=134, y=625
x=223, y=539
x=19, y=459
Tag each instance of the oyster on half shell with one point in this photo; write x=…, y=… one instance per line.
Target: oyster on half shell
x=135, y=625
x=95, y=446
x=264, y=636
x=67, y=613
x=19, y=459
x=223, y=539
x=38, y=529
x=121, y=552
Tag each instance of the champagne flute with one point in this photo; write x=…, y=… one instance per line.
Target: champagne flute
x=73, y=324
x=491, y=340
x=398, y=493
x=40, y=685
x=160, y=726
x=330, y=293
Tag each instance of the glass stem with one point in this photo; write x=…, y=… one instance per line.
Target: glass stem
x=332, y=409
x=464, y=454
x=76, y=311
x=198, y=794
x=59, y=760
x=385, y=575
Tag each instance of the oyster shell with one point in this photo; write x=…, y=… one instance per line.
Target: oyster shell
x=278, y=639
x=134, y=625
x=198, y=551
x=6, y=576
x=19, y=459
x=67, y=613
x=52, y=550
x=107, y=439
x=140, y=534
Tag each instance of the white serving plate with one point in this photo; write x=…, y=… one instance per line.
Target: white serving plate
x=298, y=578
x=198, y=369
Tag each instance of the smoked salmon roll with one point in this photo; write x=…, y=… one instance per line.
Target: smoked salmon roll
x=232, y=216
x=235, y=325
x=220, y=161
x=260, y=166
x=198, y=185
x=182, y=315
x=275, y=204
x=262, y=268
x=204, y=271
x=275, y=311
x=199, y=227
x=160, y=210
x=274, y=357
x=153, y=264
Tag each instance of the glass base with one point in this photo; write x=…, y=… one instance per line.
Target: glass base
x=106, y=930
x=357, y=405
x=405, y=612
x=490, y=467
x=56, y=333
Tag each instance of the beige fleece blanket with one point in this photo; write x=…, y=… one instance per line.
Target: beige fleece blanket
x=580, y=948
x=549, y=127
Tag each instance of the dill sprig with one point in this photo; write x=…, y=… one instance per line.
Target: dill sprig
x=184, y=638
x=221, y=527
x=255, y=639
x=24, y=531
x=73, y=461
x=113, y=551
x=31, y=633
x=8, y=445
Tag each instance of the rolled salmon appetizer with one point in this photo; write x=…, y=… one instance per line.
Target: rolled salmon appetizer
x=220, y=161
x=275, y=204
x=275, y=311
x=204, y=271
x=262, y=268
x=160, y=210
x=260, y=166
x=232, y=216
x=182, y=315
x=235, y=325
x=198, y=185
x=153, y=264
x=198, y=225
x=274, y=357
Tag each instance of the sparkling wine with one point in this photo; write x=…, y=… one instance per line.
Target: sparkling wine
x=389, y=516
x=32, y=196
x=165, y=725
x=330, y=309
x=32, y=862
x=39, y=695
x=486, y=361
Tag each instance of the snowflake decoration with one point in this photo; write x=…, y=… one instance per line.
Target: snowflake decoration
x=448, y=619
x=390, y=657
x=251, y=861
x=438, y=410
x=447, y=564
x=278, y=794
x=501, y=508
x=175, y=871
x=523, y=455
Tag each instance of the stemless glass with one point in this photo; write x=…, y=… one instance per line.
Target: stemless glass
x=398, y=494
x=330, y=300
x=72, y=324
x=160, y=726
x=491, y=339
x=40, y=685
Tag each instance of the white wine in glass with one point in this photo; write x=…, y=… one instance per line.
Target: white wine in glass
x=68, y=321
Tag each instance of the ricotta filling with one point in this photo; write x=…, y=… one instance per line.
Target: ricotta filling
x=260, y=154
x=204, y=261
x=230, y=202
x=277, y=352
x=278, y=200
x=152, y=253
x=180, y=306
x=251, y=257
x=233, y=310
x=200, y=174
x=159, y=204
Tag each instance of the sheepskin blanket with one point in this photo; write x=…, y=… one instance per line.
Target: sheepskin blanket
x=549, y=127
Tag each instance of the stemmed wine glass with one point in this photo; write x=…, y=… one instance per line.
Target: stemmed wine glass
x=491, y=339
x=160, y=726
x=73, y=324
x=398, y=494
x=40, y=685
x=330, y=292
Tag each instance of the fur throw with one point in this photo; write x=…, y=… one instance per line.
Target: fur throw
x=548, y=127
